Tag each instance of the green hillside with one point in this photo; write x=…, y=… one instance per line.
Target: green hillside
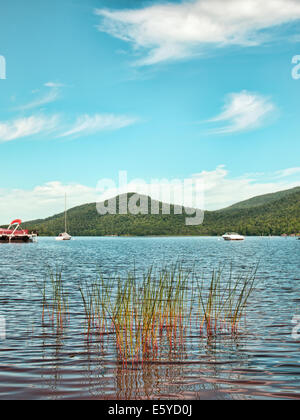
x=276, y=216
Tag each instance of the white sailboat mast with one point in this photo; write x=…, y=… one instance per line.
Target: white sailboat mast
x=66, y=212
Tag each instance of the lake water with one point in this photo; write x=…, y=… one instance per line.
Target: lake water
x=262, y=362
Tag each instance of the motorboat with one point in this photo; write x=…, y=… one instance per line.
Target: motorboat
x=233, y=237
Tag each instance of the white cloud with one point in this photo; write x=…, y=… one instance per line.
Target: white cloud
x=222, y=190
x=41, y=124
x=174, y=31
x=42, y=201
x=84, y=125
x=54, y=85
x=24, y=127
x=243, y=111
x=288, y=172
x=91, y=124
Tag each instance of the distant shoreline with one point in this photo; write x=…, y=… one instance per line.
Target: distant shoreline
x=171, y=236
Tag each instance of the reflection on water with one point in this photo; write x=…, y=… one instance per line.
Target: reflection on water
x=263, y=361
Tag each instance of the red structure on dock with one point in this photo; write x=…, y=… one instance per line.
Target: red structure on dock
x=14, y=234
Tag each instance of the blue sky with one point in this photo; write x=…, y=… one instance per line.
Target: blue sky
x=175, y=90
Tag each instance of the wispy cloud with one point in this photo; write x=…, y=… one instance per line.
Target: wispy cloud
x=91, y=124
x=175, y=31
x=288, y=172
x=24, y=127
x=51, y=96
x=243, y=111
x=41, y=124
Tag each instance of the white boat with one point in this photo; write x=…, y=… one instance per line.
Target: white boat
x=233, y=237
x=64, y=236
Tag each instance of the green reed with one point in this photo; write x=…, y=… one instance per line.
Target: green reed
x=223, y=303
x=149, y=312
x=54, y=300
x=96, y=299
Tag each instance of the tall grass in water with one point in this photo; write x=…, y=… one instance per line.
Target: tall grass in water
x=151, y=312
x=148, y=313
x=96, y=299
x=140, y=311
x=54, y=300
x=224, y=301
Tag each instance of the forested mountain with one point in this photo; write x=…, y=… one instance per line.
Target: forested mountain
x=272, y=214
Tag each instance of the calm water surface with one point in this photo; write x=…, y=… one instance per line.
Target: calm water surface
x=263, y=362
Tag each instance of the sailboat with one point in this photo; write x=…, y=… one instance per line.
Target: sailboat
x=64, y=236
